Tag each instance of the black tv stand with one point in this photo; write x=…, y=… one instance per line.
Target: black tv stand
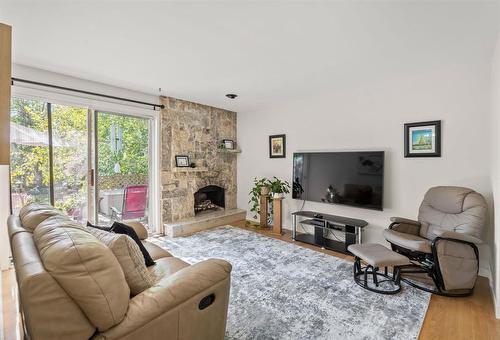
x=322, y=223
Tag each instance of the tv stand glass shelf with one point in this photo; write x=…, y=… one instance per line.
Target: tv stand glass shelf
x=323, y=224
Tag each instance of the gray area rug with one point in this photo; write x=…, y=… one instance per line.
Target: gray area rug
x=283, y=291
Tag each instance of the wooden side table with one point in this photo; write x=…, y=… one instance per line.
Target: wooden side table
x=264, y=206
x=277, y=216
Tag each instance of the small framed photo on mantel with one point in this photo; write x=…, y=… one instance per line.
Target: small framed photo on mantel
x=277, y=146
x=423, y=139
x=228, y=144
x=181, y=161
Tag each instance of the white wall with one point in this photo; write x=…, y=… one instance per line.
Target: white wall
x=369, y=115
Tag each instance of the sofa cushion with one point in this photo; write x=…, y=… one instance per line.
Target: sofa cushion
x=121, y=228
x=130, y=258
x=408, y=241
x=59, y=221
x=166, y=266
x=32, y=218
x=155, y=251
x=86, y=269
x=45, y=304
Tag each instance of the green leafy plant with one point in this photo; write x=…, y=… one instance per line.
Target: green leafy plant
x=259, y=184
x=274, y=186
x=29, y=166
x=278, y=186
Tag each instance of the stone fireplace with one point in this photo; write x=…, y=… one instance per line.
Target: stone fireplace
x=196, y=130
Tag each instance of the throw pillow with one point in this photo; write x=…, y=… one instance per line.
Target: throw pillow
x=130, y=258
x=121, y=228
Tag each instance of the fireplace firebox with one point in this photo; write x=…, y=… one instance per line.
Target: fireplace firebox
x=208, y=198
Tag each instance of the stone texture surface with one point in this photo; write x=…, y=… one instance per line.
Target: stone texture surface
x=204, y=221
x=195, y=130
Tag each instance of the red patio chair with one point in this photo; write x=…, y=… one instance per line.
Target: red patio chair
x=134, y=203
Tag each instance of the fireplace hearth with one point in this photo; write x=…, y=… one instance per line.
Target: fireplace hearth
x=209, y=198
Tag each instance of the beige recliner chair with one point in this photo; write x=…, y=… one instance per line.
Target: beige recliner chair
x=442, y=243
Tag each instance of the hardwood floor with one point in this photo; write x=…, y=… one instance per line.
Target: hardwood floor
x=11, y=316
x=470, y=318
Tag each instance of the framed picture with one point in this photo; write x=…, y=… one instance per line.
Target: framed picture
x=181, y=161
x=423, y=139
x=277, y=146
x=228, y=144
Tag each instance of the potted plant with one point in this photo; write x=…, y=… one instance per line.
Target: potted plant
x=261, y=186
x=270, y=188
x=279, y=188
x=265, y=190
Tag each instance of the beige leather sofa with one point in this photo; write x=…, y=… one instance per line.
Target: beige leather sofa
x=72, y=287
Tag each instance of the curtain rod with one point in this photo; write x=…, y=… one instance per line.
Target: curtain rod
x=85, y=92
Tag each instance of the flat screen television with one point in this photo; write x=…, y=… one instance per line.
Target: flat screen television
x=348, y=178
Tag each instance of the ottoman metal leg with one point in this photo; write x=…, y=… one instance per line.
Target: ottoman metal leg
x=359, y=272
x=375, y=272
x=376, y=257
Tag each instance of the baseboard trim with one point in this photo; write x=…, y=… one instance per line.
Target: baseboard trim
x=496, y=306
x=495, y=301
x=485, y=272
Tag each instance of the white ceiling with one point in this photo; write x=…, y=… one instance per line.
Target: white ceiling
x=267, y=52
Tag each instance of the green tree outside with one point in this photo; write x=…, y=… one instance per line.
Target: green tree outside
x=30, y=176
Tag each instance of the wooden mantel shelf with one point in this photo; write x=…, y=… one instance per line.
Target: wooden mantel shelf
x=189, y=169
x=229, y=150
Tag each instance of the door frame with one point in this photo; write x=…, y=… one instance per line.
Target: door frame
x=111, y=106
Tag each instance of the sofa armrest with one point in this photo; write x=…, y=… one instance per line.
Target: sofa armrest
x=138, y=227
x=442, y=233
x=171, y=292
x=175, y=289
x=405, y=221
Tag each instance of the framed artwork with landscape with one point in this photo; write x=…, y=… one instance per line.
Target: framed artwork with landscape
x=423, y=139
x=277, y=146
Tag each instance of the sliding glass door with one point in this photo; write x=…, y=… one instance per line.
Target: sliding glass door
x=123, y=167
x=29, y=153
x=93, y=165
x=69, y=159
x=49, y=156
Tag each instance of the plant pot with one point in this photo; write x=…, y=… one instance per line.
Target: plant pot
x=265, y=191
x=278, y=195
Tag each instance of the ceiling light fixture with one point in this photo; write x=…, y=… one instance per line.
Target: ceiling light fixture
x=231, y=95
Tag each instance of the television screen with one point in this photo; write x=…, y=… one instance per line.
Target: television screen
x=349, y=178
